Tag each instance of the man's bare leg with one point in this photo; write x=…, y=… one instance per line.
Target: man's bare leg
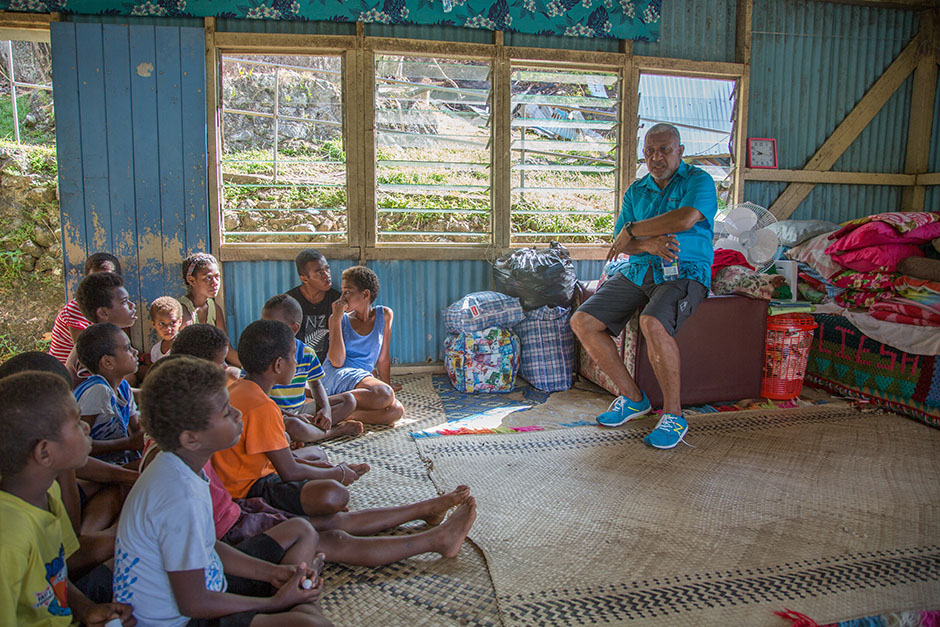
x=600, y=346
x=664, y=357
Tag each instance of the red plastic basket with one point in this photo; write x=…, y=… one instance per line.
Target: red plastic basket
x=786, y=352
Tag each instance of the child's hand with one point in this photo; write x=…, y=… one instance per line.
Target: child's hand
x=321, y=420
x=282, y=573
x=135, y=442
x=339, y=307
x=292, y=593
x=352, y=472
x=99, y=615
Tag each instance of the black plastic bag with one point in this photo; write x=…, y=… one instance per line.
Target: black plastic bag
x=537, y=277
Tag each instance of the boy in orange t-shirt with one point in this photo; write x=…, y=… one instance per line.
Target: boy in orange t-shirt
x=261, y=463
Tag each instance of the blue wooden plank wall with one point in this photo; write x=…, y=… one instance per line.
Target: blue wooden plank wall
x=131, y=127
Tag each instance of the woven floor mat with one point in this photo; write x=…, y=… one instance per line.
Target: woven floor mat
x=822, y=510
x=424, y=590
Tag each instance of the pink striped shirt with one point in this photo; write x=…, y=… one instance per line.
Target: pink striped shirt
x=69, y=317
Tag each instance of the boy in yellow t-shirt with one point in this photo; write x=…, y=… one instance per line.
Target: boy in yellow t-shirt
x=41, y=435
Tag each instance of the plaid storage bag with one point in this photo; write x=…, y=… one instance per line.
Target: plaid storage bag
x=478, y=311
x=482, y=361
x=547, y=348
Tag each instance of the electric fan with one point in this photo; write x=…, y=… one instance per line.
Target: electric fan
x=743, y=227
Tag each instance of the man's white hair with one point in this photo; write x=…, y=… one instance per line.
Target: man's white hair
x=658, y=129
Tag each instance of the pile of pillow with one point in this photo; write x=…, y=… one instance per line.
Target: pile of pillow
x=862, y=257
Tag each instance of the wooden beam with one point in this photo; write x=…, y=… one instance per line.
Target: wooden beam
x=629, y=124
x=744, y=15
x=365, y=111
x=554, y=56
x=742, y=52
x=684, y=67
x=430, y=48
x=830, y=177
x=850, y=127
x=281, y=43
x=281, y=252
x=213, y=138
x=920, y=126
x=501, y=153
x=932, y=178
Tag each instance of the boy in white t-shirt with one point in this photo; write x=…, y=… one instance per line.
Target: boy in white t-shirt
x=166, y=316
x=167, y=560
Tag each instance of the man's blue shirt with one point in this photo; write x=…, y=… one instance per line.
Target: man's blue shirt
x=690, y=186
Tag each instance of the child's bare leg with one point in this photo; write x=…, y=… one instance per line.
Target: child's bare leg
x=306, y=615
x=376, y=403
x=311, y=454
x=302, y=431
x=341, y=406
x=102, y=509
x=369, y=521
x=298, y=539
x=94, y=548
x=446, y=539
x=323, y=497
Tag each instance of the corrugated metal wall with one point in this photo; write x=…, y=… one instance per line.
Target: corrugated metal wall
x=811, y=62
x=417, y=291
x=933, y=192
x=701, y=31
x=131, y=138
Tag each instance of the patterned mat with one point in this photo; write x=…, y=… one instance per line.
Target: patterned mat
x=424, y=590
x=822, y=510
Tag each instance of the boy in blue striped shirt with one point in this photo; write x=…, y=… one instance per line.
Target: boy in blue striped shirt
x=309, y=415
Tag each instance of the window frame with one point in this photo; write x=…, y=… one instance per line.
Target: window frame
x=358, y=54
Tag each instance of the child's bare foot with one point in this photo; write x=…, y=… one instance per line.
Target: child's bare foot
x=359, y=469
x=312, y=454
x=452, y=533
x=344, y=429
x=438, y=506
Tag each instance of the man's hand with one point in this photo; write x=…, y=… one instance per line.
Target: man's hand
x=620, y=244
x=665, y=246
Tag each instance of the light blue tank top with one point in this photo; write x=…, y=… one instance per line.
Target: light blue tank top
x=362, y=351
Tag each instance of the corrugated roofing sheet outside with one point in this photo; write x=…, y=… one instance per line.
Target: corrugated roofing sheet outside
x=688, y=102
x=701, y=31
x=811, y=63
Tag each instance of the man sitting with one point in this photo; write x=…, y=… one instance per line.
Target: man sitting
x=666, y=225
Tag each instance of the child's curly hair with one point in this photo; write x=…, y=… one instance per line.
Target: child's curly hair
x=364, y=279
x=96, y=341
x=165, y=306
x=176, y=396
x=262, y=342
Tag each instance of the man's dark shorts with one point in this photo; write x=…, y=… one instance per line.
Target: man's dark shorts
x=670, y=302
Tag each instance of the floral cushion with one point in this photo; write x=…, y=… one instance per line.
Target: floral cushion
x=740, y=280
x=870, y=281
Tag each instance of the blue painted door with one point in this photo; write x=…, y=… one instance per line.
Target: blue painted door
x=131, y=138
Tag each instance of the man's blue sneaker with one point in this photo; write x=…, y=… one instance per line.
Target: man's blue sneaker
x=623, y=410
x=669, y=431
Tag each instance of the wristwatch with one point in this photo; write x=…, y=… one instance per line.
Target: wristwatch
x=628, y=227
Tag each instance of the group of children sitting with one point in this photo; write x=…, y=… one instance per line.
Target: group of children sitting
x=206, y=497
